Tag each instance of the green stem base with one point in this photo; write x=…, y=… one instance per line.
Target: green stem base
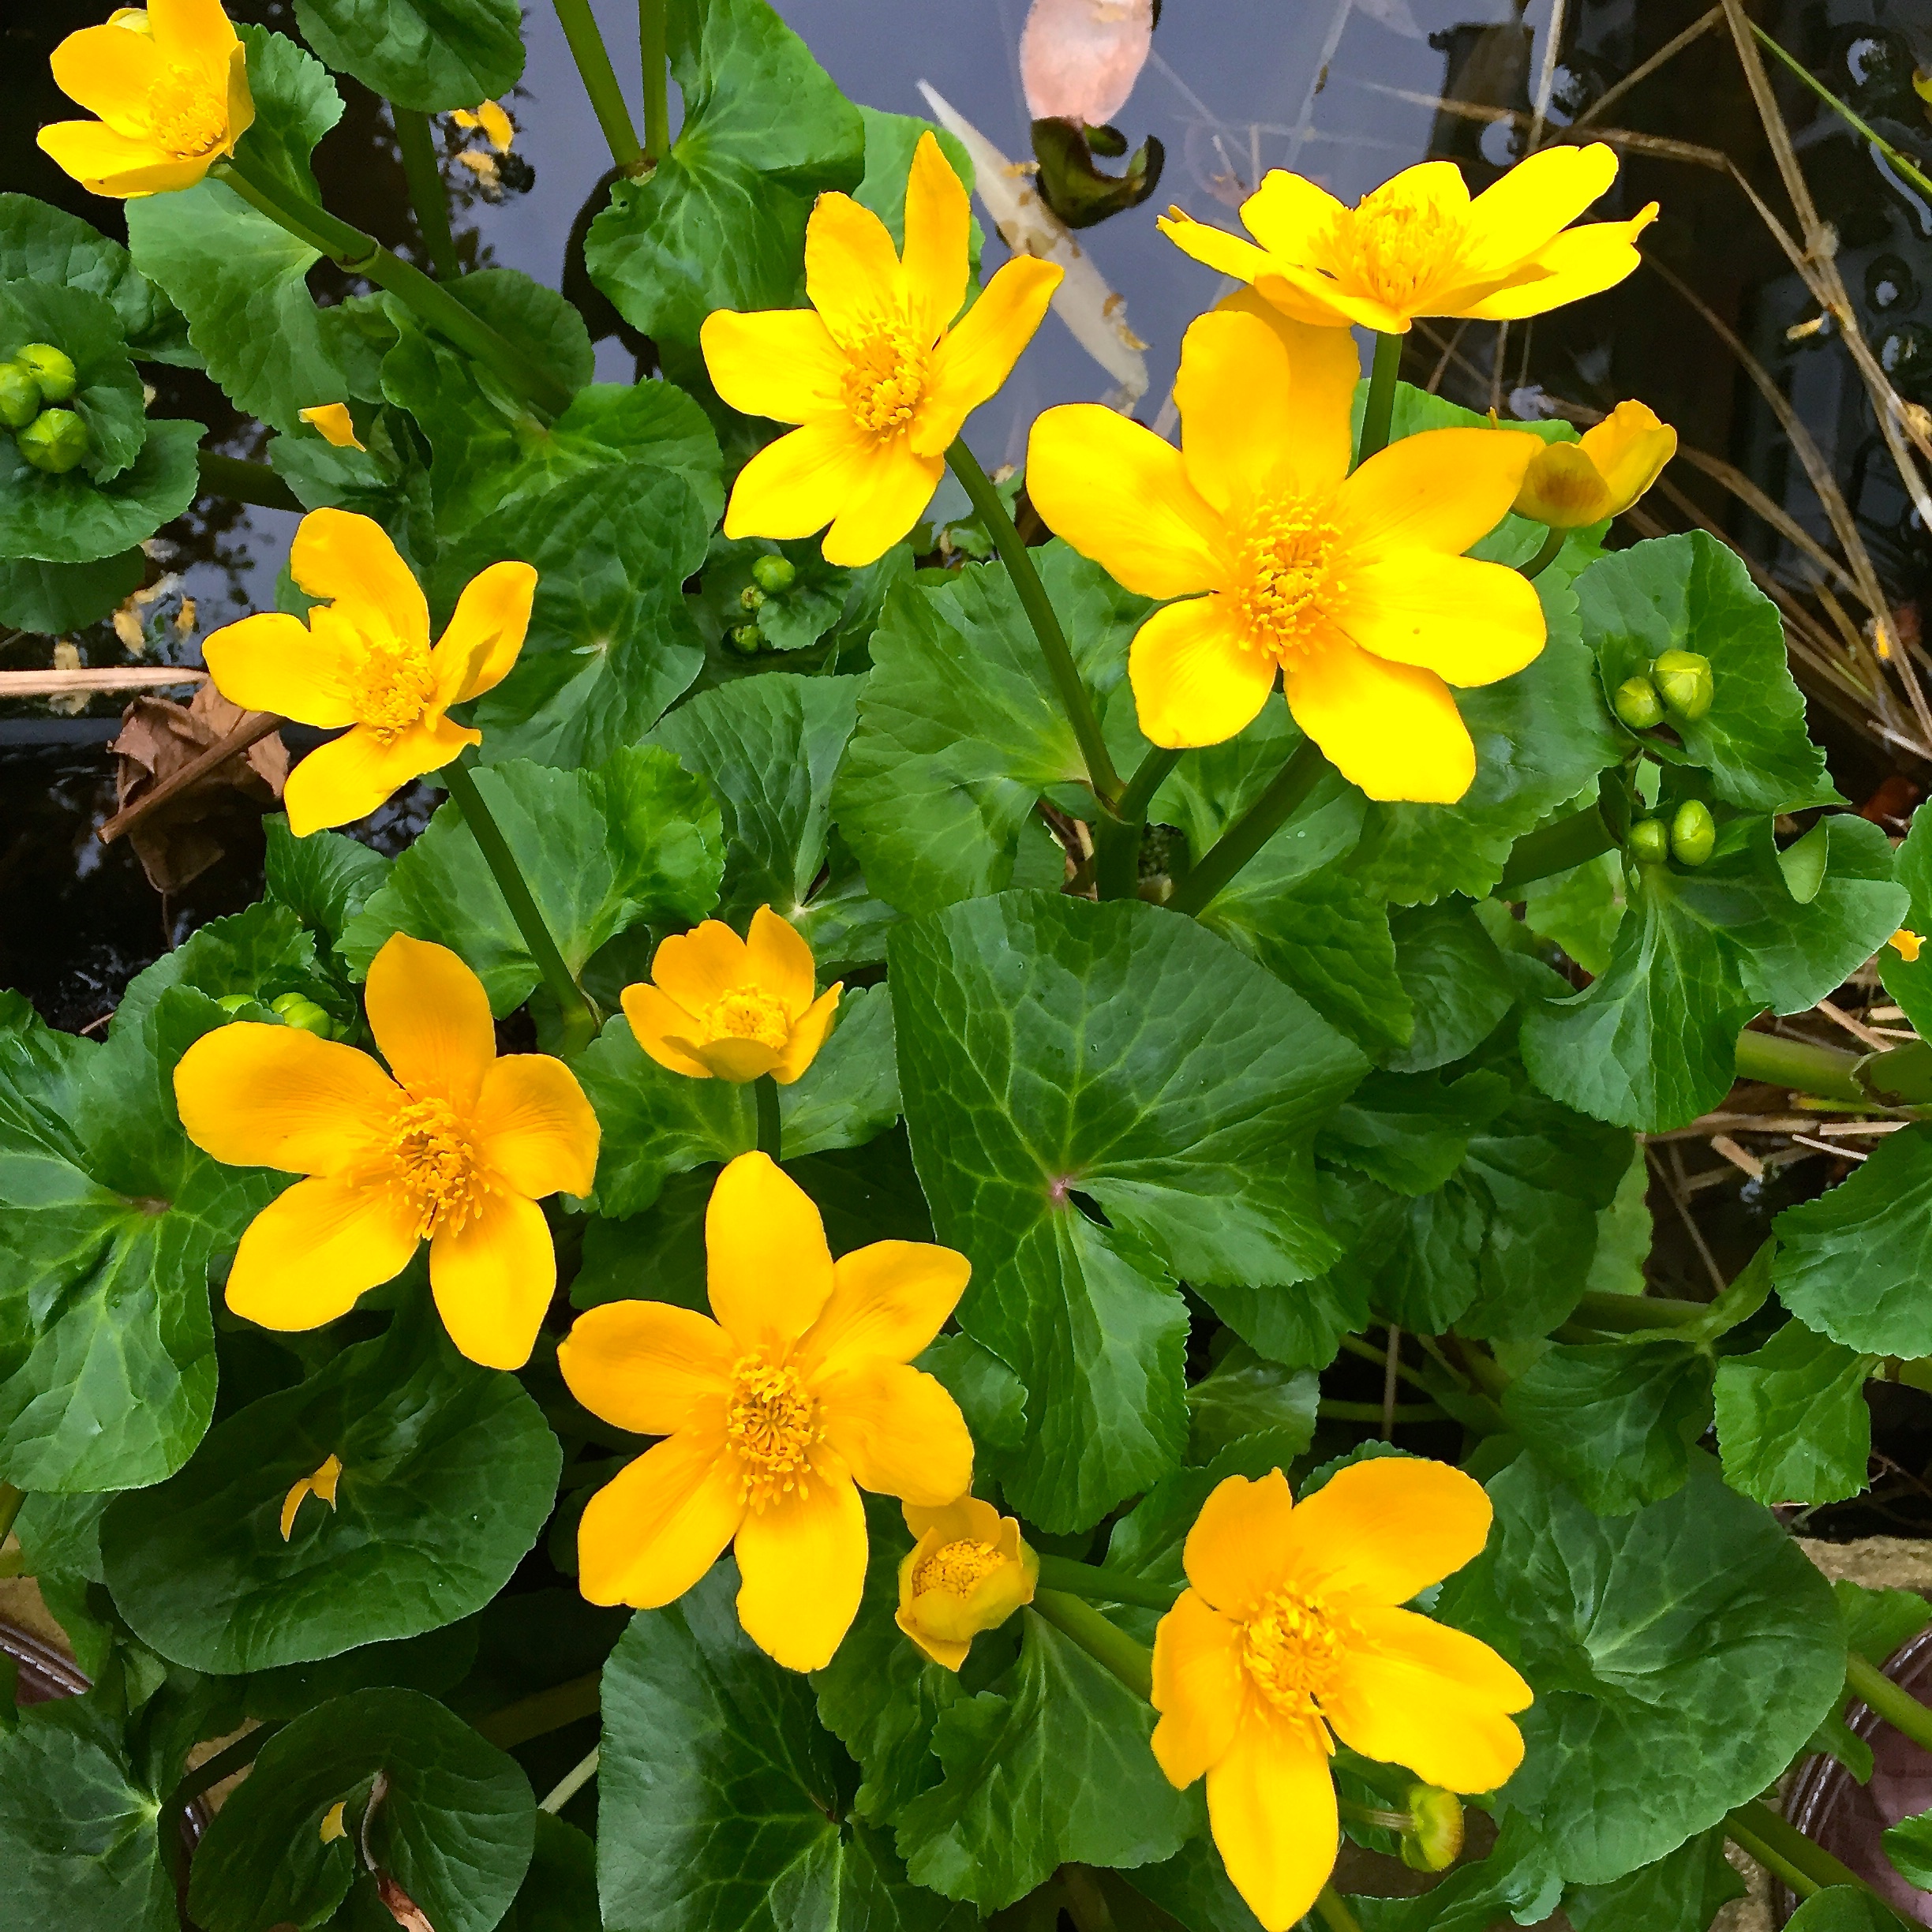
x=423, y=169
x=1107, y=1643
x=770, y=1129
x=1285, y=793
x=1379, y=413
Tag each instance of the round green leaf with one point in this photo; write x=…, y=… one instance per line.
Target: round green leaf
x=107, y=395
x=71, y=519
x=430, y=55
x=53, y=597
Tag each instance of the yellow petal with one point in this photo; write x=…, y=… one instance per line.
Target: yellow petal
x=769, y=1270
x=802, y=1563
x=937, y=220
x=698, y=968
x=780, y=363
x=1272, y=1808
x=1580, y=262
x=333, y=423
x=979, y=352
x=430, y=1018
x=193, y=32
x=949, y=1652
x=1392, y=729
x=274, y=1096
x=1238, y=1549
x=332, y=1826
x=1436, y=1700
x=1213, y=247
x=241, y=101
x=897, y=1429
x=1323, y=370
x=1119, y=495
x=1906, y=943
x=1196, y=681
x=106, y=163
x=888, y=1302
x=648, y=1534
x=1630, y=448
x=1563, y=488
x=534, y=1127
x=340, y=557
x=110, y=72
x=497, y=126
x=739, y=1061
x=320, y=1482
x=1385, y=1528
x=1441, y=490
x=355, y=774
x=1509, y=222
x=808, y=1034
x=852, y=276
x=654, y=1018
x=965, y=1519
x=1469, y=623
x=271, y=662
x=314, y=1248
x=888, y=495
x=327, y=1477
x=475, y=654
x=1314, y=298
x=1294, y=219
x=493, y=1277
x=798, y=484
x=292, y=1503
x=1199, y=1689
x=649, y=1367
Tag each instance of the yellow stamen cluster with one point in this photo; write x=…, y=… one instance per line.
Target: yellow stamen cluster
x=750, y=1012
x=393, y=686
x=186, y=113
x=772, y=1422
x=1398, y=239
x=435, y=1167
x=1284, y=573
x=886, y=377
x=1293, y=1648
x=955, y=1567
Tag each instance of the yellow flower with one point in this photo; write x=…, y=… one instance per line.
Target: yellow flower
x=1290, y=1629
x=364, y=659
x=321, y=1485
x=968, y=1572
x=722, y=1007
x=171, y=86
x=497, y=125
x=800, y=1390
x=1353, y=586
x=1906, y=943
x=333, y=423
x=1568, y=485
x=872, y=371
x=456, y=1148
x=1419, y=247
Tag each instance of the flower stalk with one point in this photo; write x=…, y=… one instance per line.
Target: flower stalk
x=1379, y=413
x=571, y=1782
x=416, y=140
x=1782, y=1849
x=1891, y=1701
x=1105, y=1642
x=770, y=1129
x=1547, y=553
x=542, y=1712
x=599, y=80
x=1555, y=848
x=1093, y=1583
x=656, y=88
x=1330, y=1909
x=1117, y=833
x=1286, y=792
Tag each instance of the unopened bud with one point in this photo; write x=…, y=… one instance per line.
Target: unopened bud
x=1694, y=832
x=52, y=368
x=1637, y=703
x=1649, y=841
x=751, y=597
x=20, y=394
x=747, y=639
x=1434, y=1840
x=297, y=1010
x=1684, y=679
x=774, y=574
x=55, y=441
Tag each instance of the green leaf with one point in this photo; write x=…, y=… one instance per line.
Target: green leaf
x=720, y=224
x=1680, y=1656
x=1617, y=1421
x=454, y=1826
x=1516, y=1878
x=1411, y=1132
x=890, y=140
x=960, y=730
x=1847, y=1908
x=1580, y=910
x=49, y=598
x=748, y=1833
x=1692, y=592
x=1909, y=982
x=1454, y=977
x=430, y=54
x=448, y=1473
x=107, y=397
x=1054, y=1053
x=1193, y=1888
x=325, y=879
x=1680, y=1892
x=600, y=850
x=48, y=245
x=1877, y=1621
x=559, y=1892
x=1242, y=1394
x=1852, y=1263
x=1624, y=1231
x=1792, y=1426
x=72, y=519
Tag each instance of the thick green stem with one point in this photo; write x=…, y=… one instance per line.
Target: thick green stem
x=579, y=1020
x=1553, y=848
x=422, y=169
x=1107, y=1643
x=1332, y=1411
x=1623, y=1313
x=1285, y=793
x=1893, y=1703
x=599, y=80
x=545, y=1711
x=1547, y=553
x=1380, y=408
x=1095, y=1585
x=1800, y=1065
x=1330, y=1909
x=572, y=1781
x=1040, y=613
x=1802, y=1862
x=657, y=80
x=1117, y=833
x=770, y=1130
x=245, y=482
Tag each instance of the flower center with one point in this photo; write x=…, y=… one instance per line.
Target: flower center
x=1286, y=574
x=748, y=1013
x=1293, y=1648
x=1397, y=241
x=390, y=686
x=885, y=375
x=956, y=1567
x=186, y=115
x=435, y=1168
x=772, y=1421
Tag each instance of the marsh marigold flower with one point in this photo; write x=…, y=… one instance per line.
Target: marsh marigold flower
x=774, y=1415
x=171, y=86
x=876, y=372
x=364, y=659
x=720, y=1007
x=1290, y=1630
x=968, y=1572
x=1571, y=486
x=1418, y=245
x=1353, y=587
x=451, y=1145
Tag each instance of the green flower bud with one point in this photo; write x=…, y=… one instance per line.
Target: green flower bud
x=233, y=1002
x=774, y=574
x=751, y=597
x=1684, y=679
x=55, y=441
x=1649, y=841
x=1637, y=704
x=747, y=639
x=297, y=1010
x=20, y=394
x=54, y=371
x=1694, y=832
x=1434, y=1840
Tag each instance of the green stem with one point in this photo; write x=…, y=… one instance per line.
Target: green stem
x=1768, y=1855
x=204, y=1776
x=1369, y=1352
x=579, y=1020
x=1368, y=1814
x=572, y=1781
x=1107, y=1643
x=1800, y=1066
x=360, y=254
x=1118, y=834
x=1333, y=1913
x=245, y=482
x=599, y=80
x=1286, y=792
x=1040, y=614
x=1893, y=1703
x=543, y=1711
x=1913, y=174
x=1373, y=1412
x=1095, y=1585
x=657, y=86
x=11, y=1501
x=1555, y=848
x=422, y=169
x=1624, y=1313
x=1802, y=1862
x=1380, y=408
x=770, y=1129
x=1547, y=553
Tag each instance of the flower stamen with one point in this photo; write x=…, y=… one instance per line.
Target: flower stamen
x=1396, y=242
x=750, y=1012
x=1286, y=575
x=1294, y=1648
x=886, y=378
x=435, y=1168
x=391, y=685
x=772, y=1422
x=956, y=1567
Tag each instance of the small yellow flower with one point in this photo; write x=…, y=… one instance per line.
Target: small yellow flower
x=969, y=1571
x=730, y=1008
x=1906, y=943
x=321, y=1484
x=333, y=423
x=876, y=372
x=171, y=87
x=364, y=659
x=1290, y=1629
x=452, y=1146
x=497, y=126
x=1353, y=587
x=1569, y=485
x=1419, y=247
x=800, y=1390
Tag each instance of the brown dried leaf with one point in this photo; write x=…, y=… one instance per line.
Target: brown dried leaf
x=402, y=1908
